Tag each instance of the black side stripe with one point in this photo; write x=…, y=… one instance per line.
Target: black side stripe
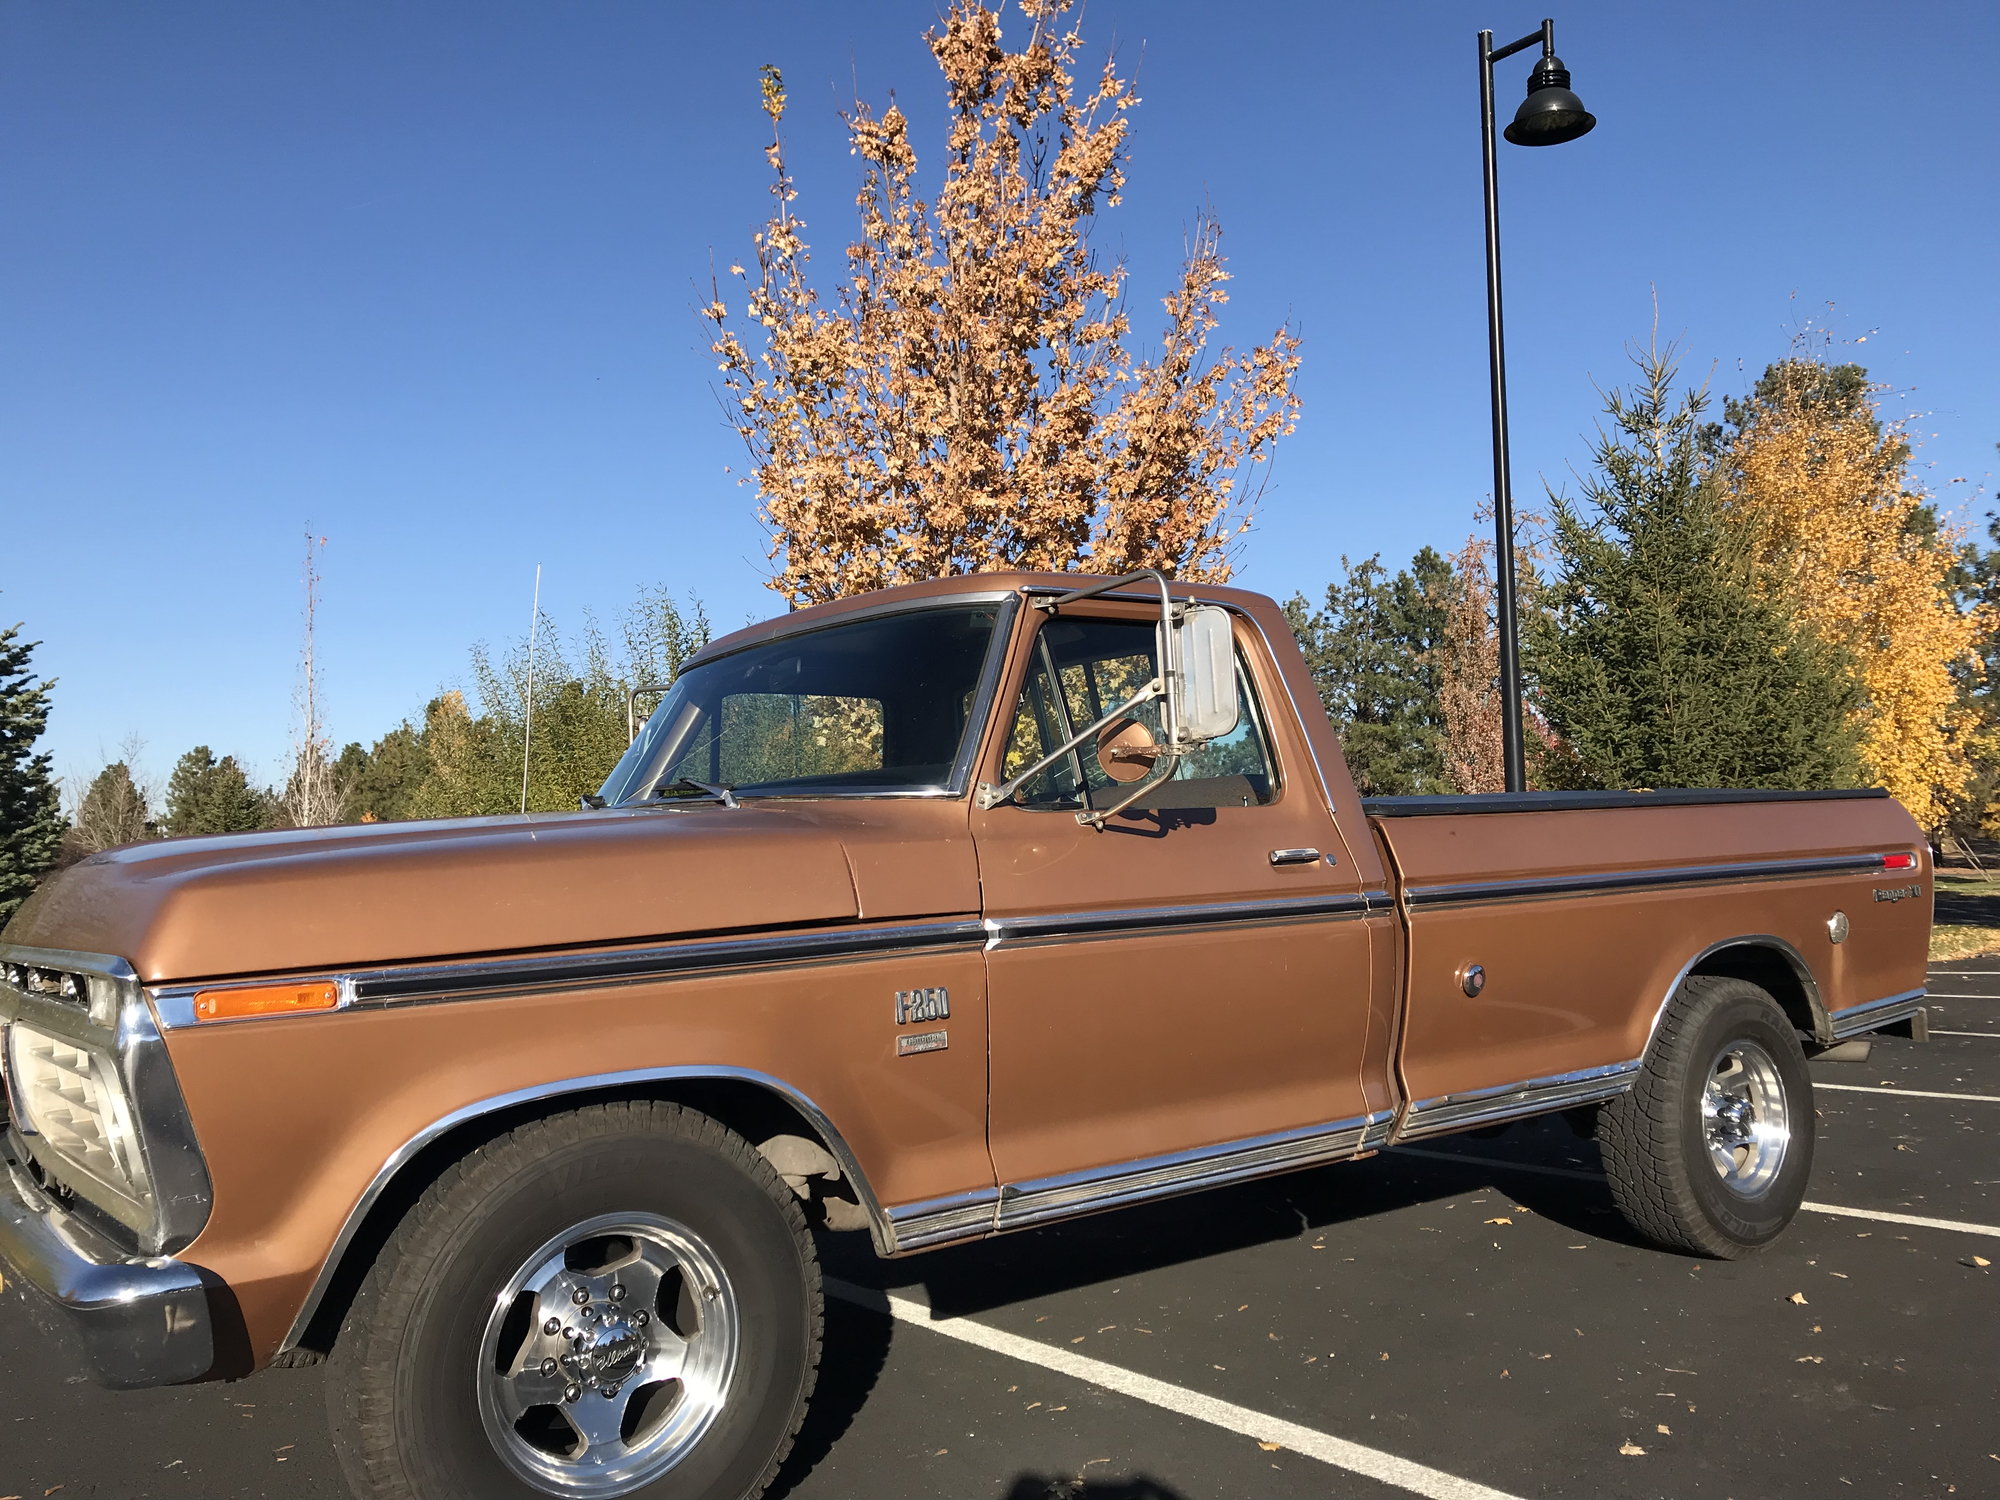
x=1633, y=880
x=385, y=986
x=1145, y=919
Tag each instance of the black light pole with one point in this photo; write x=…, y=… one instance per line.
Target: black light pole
x=1550, y=115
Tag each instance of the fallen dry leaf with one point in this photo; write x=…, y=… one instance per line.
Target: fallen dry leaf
x=1810, y=1359
x=1271, y=1447
x=1980, y=1261
x=1662, y=1427
x=1078, y=1339
x=1798, y=1297
x=1630, y=1450
x=1499, y=1221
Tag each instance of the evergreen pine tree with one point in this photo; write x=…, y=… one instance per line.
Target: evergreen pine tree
x=1371, y=649
x=1659, y=661
x=206, y=795
x=379, y=784
x=31, y=821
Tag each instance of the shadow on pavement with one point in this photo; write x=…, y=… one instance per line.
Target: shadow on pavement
x=1036, y=1487
x=855, y=1349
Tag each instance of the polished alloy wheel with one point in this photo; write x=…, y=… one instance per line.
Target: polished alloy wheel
x=1744, y=1118
x=608, y=1355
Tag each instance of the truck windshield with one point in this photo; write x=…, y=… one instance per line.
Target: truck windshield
x=876, y=706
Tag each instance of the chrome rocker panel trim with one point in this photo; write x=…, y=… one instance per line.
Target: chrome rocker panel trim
x=138, y=1322
x=1510, y=1101
x=1020, y=1205
x=1858, y=1020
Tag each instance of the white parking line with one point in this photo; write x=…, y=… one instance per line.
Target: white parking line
x=1940, y=1031
x=1920, y=1222
x=1864, y=1088
x=1961, y=1226
x=1371, y=1463
x=1942, y=995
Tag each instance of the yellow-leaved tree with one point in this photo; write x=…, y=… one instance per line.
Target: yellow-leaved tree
x=963, y=397
x=1842, y=528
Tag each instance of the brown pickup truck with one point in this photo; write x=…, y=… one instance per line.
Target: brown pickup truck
x=935, y=913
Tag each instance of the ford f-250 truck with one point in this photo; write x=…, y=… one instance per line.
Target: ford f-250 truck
x=935, y=913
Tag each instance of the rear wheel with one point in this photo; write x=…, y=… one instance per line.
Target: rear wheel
x=619, y=1301
x=1711, y=1150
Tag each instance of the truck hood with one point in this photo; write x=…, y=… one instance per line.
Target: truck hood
x=317, y=898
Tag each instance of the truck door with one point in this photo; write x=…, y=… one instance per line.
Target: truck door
x=1178, y=997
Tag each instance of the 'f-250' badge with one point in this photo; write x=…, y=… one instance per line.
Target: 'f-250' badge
x=922, y=1005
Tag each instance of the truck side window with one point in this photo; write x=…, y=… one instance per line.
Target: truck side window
x=1097, y=664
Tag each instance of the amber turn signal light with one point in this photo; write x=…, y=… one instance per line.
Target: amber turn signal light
x=265, y=1000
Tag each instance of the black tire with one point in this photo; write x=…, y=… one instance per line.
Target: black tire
x=404, y=1389
x=1656, y=1140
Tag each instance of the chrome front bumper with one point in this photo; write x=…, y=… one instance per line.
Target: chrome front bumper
x=137, y=1322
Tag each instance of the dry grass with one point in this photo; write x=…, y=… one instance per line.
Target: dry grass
x=1949, y=942
x=1967, y=883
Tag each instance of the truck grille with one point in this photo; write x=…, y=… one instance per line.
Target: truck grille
x=60, y=1095
x=50, y=984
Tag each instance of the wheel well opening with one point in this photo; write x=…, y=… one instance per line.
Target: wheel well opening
x=1774, y=971
x=757, y=1114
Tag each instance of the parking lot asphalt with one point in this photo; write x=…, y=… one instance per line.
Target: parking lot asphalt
x=1464, y=1321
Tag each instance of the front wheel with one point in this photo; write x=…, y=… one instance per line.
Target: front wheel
x=1711, y=1150
x=618, y=1301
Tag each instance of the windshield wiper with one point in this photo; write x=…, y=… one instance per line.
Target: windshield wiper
x=687, y=786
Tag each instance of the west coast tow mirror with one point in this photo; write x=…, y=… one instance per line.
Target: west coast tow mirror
x=1206, y=704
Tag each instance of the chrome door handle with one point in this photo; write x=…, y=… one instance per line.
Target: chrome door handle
x=1295, y=856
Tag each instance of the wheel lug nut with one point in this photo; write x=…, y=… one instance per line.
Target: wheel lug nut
x=572, y=1391
x=589, y=1315
x=552, y=1325
x=579, y=1296
x=617, y=1292
x=642, y=1317
x=548, y=1367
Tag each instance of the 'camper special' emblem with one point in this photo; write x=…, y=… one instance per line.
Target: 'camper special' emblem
x=922, y=1005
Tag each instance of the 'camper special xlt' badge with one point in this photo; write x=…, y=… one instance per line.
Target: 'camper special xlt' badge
x=922, y=1005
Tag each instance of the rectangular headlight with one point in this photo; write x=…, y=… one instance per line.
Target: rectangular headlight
x=70, y=1096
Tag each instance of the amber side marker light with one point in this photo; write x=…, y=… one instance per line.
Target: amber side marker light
x=1899, y=861
x=264, y=1000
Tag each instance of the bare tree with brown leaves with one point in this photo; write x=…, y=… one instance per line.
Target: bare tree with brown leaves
x=1469, y=676
x=965, y=397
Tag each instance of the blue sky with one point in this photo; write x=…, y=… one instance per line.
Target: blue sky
x=425, y=275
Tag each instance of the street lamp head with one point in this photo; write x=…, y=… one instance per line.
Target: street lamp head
x=1550, y=114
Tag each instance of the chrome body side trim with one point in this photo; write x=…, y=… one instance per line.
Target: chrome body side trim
x=1116, y=1186
x=411, y=983
x=1509, y=1101
x=878, y=1222
x=1610, y=880
x=139, y=1321
x=1857, y=1020
x=1008, y=931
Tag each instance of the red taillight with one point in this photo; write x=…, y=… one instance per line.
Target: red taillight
x=1899, y=861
